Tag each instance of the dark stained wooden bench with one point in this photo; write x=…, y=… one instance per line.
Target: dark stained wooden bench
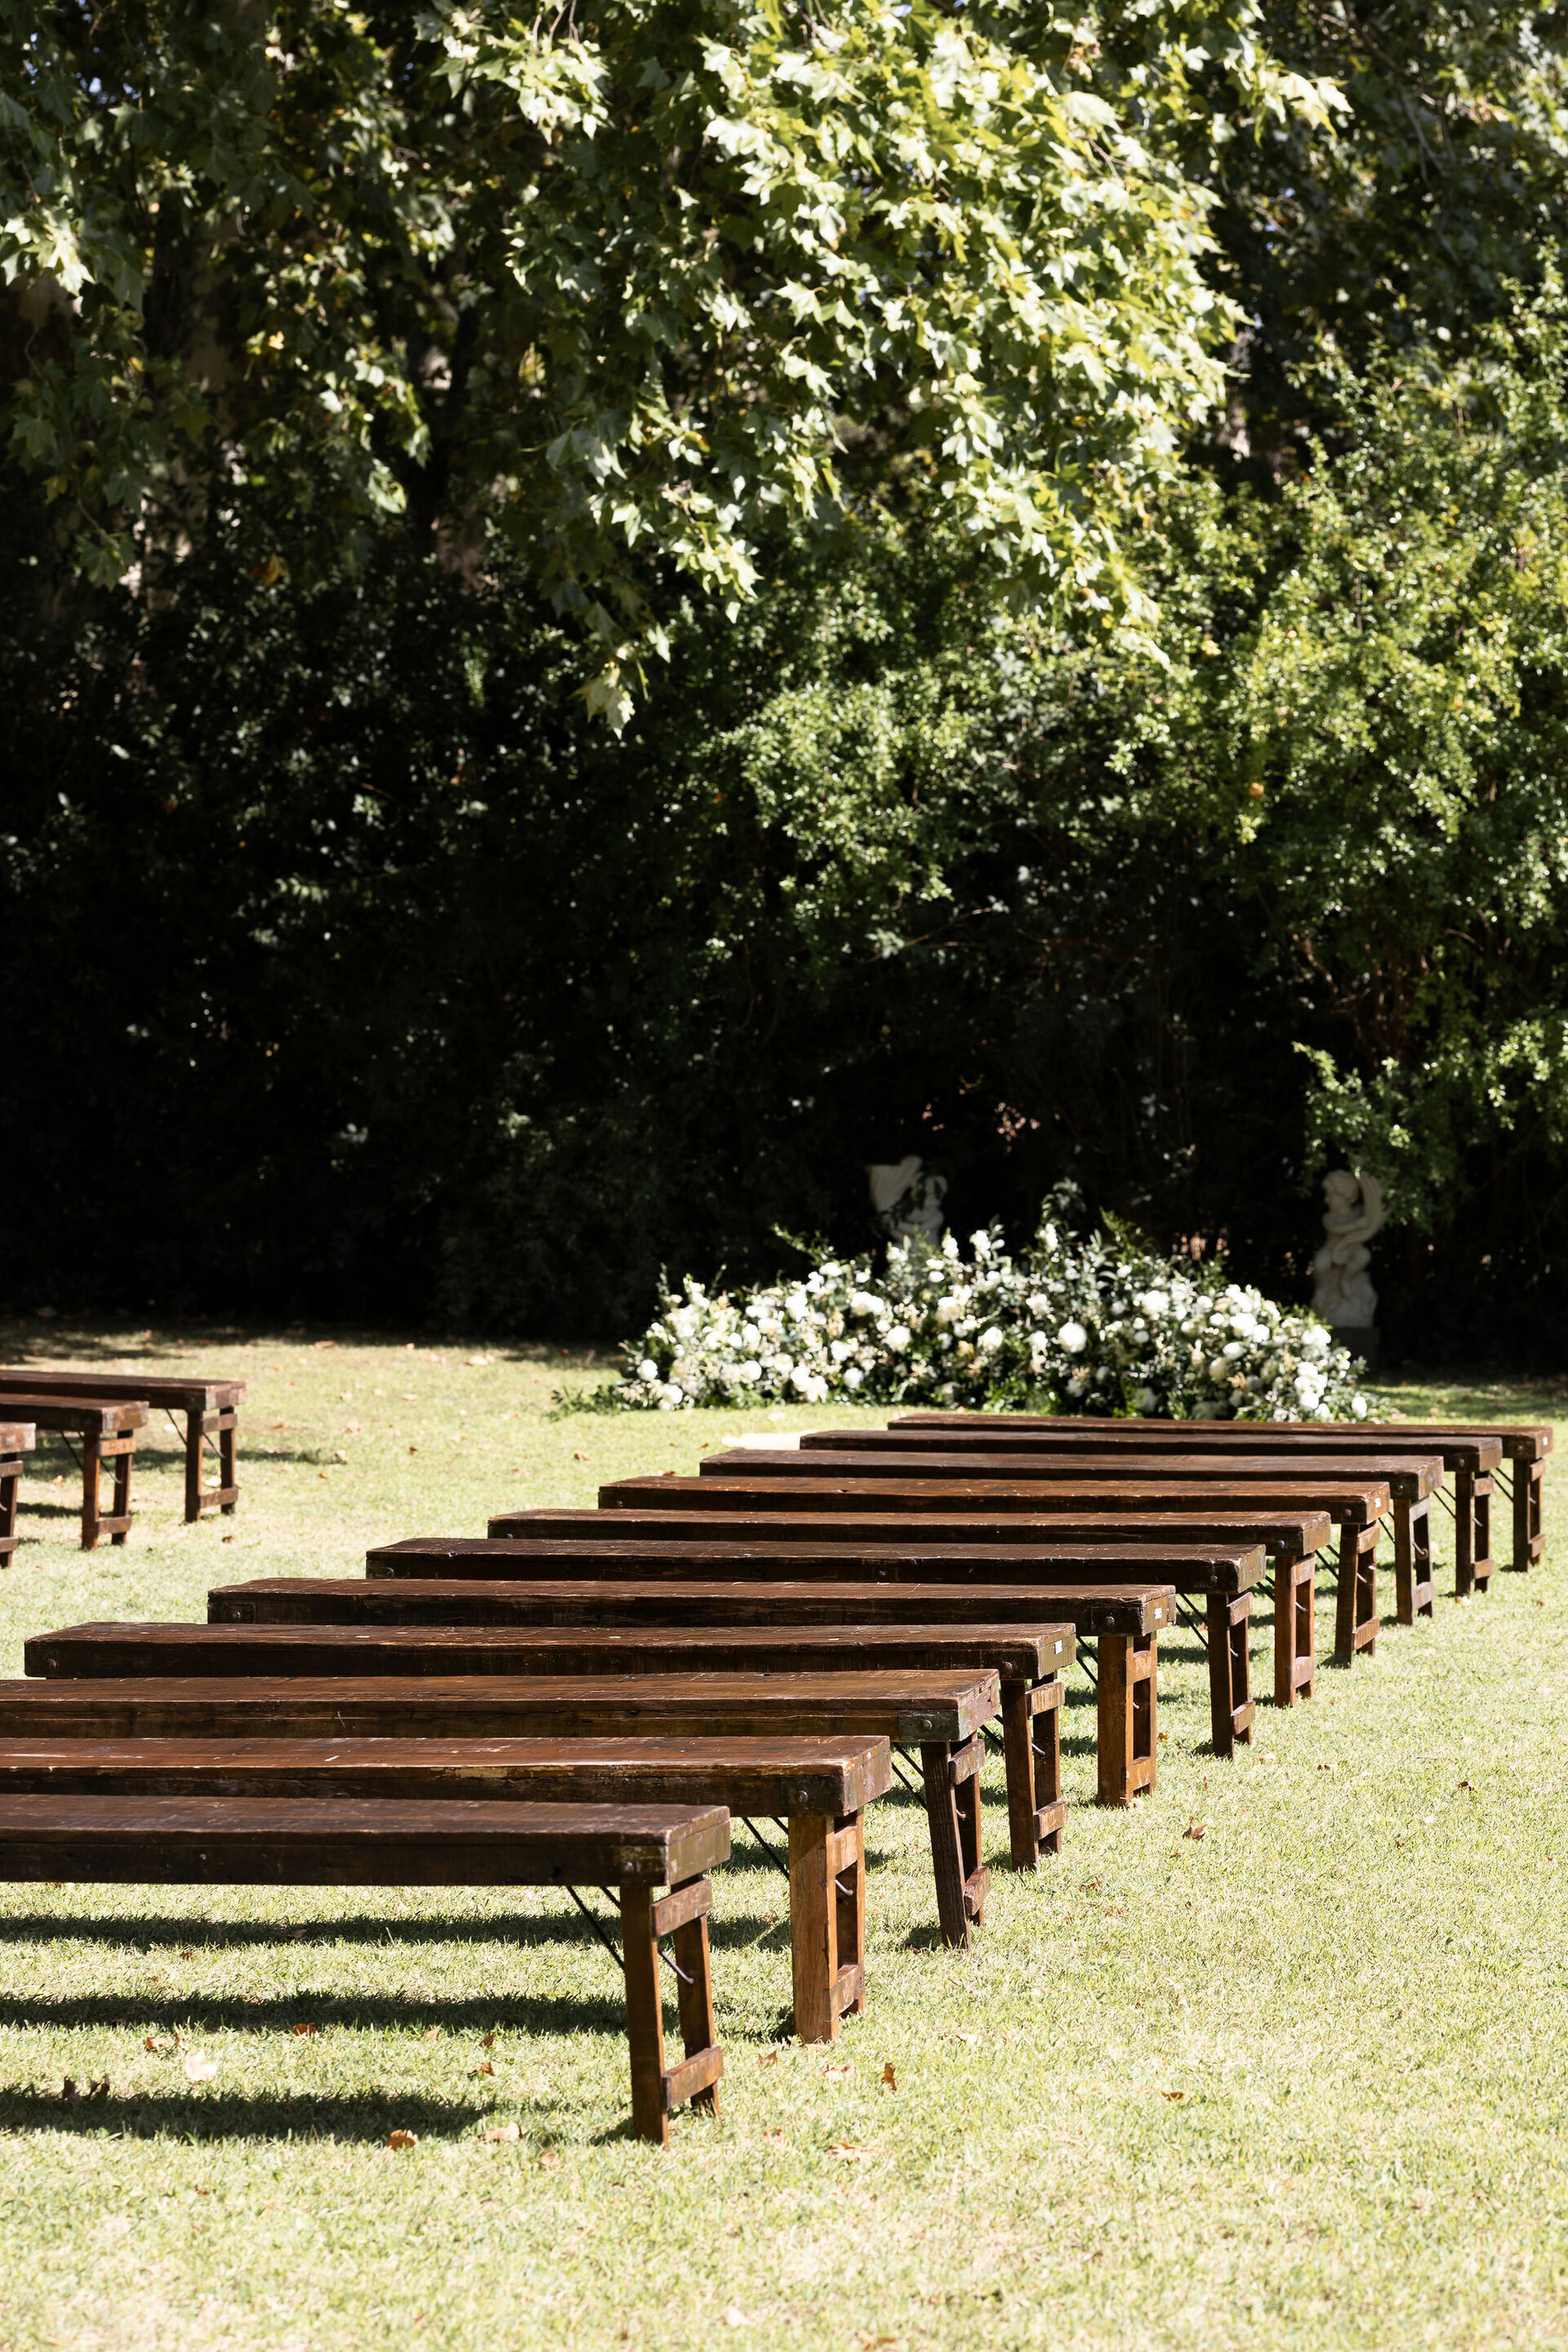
x=1469, y=1457
x=1036, y=1812
x=1194, y=1557
x=819, y=1787
x=211, y=1409
x=208, y=1840
x=108, y=1433
x=941, y=1714
x=16, y=1440
x=1357, y=1505
x=1523, y=1449
x=1410, y=1481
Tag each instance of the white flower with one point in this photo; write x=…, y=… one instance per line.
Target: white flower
x=991, y=1341
x=648, y=1369
x=1358, y=1406
x=1154, y=1302
x=750, y=1337
x=1073, y=1338
x=853, y=1377
x=1316, y=1341
x=1039, y=1307
x=864, y=1302
x=898, y=1338
x=1145, y=1400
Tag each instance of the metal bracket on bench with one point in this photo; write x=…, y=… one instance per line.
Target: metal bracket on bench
x=608, y=1941
x=767, y=1849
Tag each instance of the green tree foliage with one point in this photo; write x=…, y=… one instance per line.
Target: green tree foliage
x=647, y=283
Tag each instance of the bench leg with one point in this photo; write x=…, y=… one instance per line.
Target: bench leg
x=196, y=1423
x=228, y=1480
x=1528, y=1539
x=1129, y=1709
x=1231, y=1704
x=1355, y=1609
x=1295, y=1628
x=1481, y=1561
x=1031, y=1740
x=1412, y=1560
x=91, y=1517
x=119, y=1519
x=682, y=1914
x=10, y=1480
x=827, y=1921
x=951, y=1777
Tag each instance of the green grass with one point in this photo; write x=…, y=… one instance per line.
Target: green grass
x=1297, y=2082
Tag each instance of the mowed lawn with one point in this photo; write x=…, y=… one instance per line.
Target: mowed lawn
x=1297, y=2080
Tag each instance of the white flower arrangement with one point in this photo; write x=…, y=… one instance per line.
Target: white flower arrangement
x=1098, y=1326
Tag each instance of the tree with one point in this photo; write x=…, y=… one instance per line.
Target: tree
x=644, y=286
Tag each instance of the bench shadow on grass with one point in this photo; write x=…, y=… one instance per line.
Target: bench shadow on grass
x=232, y=2114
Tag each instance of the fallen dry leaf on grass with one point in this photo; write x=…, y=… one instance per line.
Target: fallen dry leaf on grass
x=432, y=2033
x=968, y=2038
x=839, y=2073
x=889, y=2076
x=767, y=2057
x=1175, y=2097
x=579, y=1457
x=485, y=2067
x=199, y=2067
x=549, y=2160
x=1194, y=1830
x=302, y=2025
x=153, y=2043
x=508, y=2132
x=402, y=2140
x=849, y=2151
x=487, y=2041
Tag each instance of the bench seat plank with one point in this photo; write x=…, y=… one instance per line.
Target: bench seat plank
x=1088, y=1547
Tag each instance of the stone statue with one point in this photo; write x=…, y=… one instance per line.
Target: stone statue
x=1343, y=1295
x=907, y=1201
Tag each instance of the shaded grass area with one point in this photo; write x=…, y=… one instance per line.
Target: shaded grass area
x=1298, y=2080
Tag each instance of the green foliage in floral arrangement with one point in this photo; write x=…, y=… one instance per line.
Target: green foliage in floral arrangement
x=1102, y=1326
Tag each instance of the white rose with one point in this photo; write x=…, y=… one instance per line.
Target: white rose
x=1358, y=1406
x=898, y=1338
x=853, y=1377
x=648, y=1369
x=751, y=1371
x=991, y=1341
x=1073, y=1338
x=1039, y=1307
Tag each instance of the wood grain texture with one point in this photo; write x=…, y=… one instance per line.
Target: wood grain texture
x=1407, y=1479
x=1467, y=1450
x=903, y=1708
x=418, y=1650
x=1359, y=1500
x=1089, y=1546
x=761, y=1601
x=772, y=1776
x=342, y=1842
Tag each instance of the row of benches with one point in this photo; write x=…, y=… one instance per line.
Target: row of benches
x=105, y=1413
x=765, y=1639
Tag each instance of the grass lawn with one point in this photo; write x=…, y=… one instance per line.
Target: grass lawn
x=1298, y=2081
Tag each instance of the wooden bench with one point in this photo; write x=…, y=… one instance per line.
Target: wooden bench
x=1411, y=1482
x=207, y=1840
x=1165, y=1545
x=108, y=1433
x=15, y=1439
x=211, y=1409
x=1357, y=1505
x=941, y=1715
x=818, y=1788
x=1469, y=1457
x=1523, y=1449
x=1133, y=1613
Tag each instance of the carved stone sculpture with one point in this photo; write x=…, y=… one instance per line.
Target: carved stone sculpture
x=907, y=1201
x=1343, y=1295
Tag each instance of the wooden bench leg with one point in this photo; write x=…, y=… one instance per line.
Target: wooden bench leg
x=195, y=1426
x=1129, y=1710
x=1295, y=1628
x=1528, y=1538
x=951, y=1777
x=91, y=1517
x=1413, y=1591
x=1355, y=1609
x=10, y=1481
x=827, y=1921
x=228, y=1481
x=683, y=1914
x=1481, y=1561
x=1231, y=1704
x=1031, y=1740
x=119, y=1523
